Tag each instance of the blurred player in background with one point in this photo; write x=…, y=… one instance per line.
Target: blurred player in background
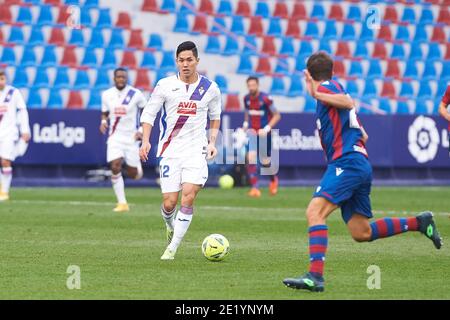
x=260, y=117
x=121, y=105
x=13, y=121
x=443, y=111
x=187, y=100
x=348, y=178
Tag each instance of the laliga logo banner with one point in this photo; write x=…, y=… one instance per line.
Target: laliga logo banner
x=423, y=138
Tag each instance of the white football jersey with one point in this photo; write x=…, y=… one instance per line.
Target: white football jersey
x=13, y=114
x=185, y=109
x=123, y=106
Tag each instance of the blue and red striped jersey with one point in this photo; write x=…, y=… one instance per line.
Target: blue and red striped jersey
x=339, y=129
x=260, y=109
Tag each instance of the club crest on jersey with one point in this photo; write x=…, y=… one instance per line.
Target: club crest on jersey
x=201, y=90
x=120, y=111
x=187, y=108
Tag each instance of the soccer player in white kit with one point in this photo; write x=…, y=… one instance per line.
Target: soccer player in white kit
x=187, y=100
x=121, y=105
x=13, y=121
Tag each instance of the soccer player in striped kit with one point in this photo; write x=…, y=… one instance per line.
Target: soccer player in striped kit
x=187, y=100
x=260, y=117
x=120, y=107
x=348, y=178
x=13, y=111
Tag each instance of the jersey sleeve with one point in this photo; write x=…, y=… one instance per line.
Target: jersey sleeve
x=153, y=105
x=330, y=87
x=268, y=101
x=246, y=106
x=104, y=102
x=22, y=113
x=446, y=97
x=215, y=105
x=140, y=100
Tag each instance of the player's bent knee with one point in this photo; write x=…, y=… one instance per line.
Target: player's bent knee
x=169, y=204
x=361, y=236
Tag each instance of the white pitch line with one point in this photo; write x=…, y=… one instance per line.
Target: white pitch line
x=209, y=207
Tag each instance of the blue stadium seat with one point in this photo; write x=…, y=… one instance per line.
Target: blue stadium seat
x=310, y=104
x=354, y=13
x=213, y=45
x=277, y=87
x=312, y=30
x=218, y=21
x=445, y=74
x=45, y=17
x=325, y=46
x=385, y=105
x=402, y=107
x=330, y=30
x=442, y=86
x=417, y=53
x=434, y=52
x=287, y=46
x=81, y=80
x=109, y=59
x=370, y=90
x=104, y=18
x=437, y=102
x=429, y=72
x=181, y=24
x=365, y=105
x=8, y=56
x=398, y=51
x=168, y=62
x=402, y=33
x=408, y=15
x=91, y=4
x=16, y=35
x=355, y=69
x=252, y=47
x=352, y=88
x=425, y=89
x=421, y=34
x=95, y=100
x=348, y=32
x=262, y=9
x=28, y=57
x=411, y=70
x=305, y=49
x=427, y=16
x=116, y=41
x=421, y=106
x=41, y=80
x=296, y=86
x=49, y=56
x=282, y=66
x=96, y=40
x=24, y=15
x=55, y=100
x=366, y=33
x=148, y=61
x=76, y=38
x=34, y=99
x=237, y=25
x=407, y=90
x=102, y=80
x=275, y=27
x=225, y=8
x=231, y=46
x=300, y=63
x=184, y=9
x=62, y=78
x=222, y=82
x=72, y=2
x=155, y=41
x=245, y=65
x=85, y=18
x=36, y=36
x=34, y=2
x=89, y=59
x=318, y=11
x=20, y=77
x=361, y=50
x=374, y=69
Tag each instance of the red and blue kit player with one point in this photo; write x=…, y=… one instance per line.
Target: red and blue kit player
x=348, y=178
x=260, y=117
x=443, y=111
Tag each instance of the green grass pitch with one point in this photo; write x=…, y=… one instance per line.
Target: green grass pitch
x=43, y=231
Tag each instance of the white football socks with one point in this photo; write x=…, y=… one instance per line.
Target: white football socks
x=6, y=178
x=168, y=217
x=181, y=225
x=119, y=187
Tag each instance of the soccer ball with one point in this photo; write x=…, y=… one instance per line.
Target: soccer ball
x=215, y=247
x=226, y=182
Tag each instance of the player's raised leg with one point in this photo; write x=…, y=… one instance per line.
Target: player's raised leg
x=318, y=210
x=5, y=180
x=118, y=186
